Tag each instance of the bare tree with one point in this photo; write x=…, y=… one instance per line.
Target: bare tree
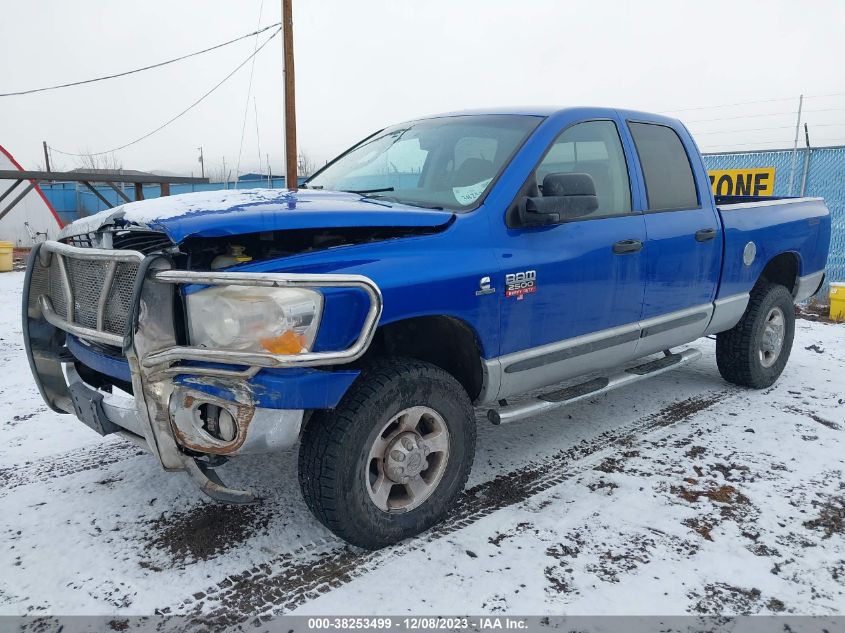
x=215, y=173
x=107, y=162
x=305, y=165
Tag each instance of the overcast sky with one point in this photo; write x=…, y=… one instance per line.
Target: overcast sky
x=363, y=64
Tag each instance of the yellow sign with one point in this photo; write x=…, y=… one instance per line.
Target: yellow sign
x=754, y=181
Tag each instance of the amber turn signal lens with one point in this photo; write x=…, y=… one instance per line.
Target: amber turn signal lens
x=289, y=342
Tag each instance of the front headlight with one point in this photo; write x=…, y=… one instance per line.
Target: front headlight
x=254, y=319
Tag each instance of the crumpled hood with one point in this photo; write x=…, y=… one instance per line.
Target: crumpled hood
x=239, y=211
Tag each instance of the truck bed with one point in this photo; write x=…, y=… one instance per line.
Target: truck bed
x=775, y=226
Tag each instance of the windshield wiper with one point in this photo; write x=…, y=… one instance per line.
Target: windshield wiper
x=362, y=192
x=367, y=193
x=422, y=205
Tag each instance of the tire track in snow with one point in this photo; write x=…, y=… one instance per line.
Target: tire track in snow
x=294, y=578
x=64, y=464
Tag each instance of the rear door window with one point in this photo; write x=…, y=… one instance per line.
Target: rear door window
x=666, y=167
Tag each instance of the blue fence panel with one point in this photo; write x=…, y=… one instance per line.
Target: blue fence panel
x=781, y=161
x=825, y=179
x=72, y=200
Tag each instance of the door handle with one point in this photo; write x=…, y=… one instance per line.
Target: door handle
x=703, y=235
x=627, y=246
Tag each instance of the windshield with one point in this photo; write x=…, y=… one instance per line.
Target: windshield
x=447, y=162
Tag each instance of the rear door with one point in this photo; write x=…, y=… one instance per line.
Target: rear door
x=684, y=245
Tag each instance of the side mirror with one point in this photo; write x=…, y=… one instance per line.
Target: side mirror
x=565, y=197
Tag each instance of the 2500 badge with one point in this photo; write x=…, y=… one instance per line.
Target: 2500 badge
x=520, y=284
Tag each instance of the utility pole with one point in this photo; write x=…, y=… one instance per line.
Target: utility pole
x=290, y=99
x=46, y=156
x=807, y=153
x=795, y=145
x=202, y=163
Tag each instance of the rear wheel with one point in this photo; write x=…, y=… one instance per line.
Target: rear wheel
x=391, y=459
x=754, y=352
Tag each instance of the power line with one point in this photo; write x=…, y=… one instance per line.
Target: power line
x=730, y=105
x=747, y=144
x=246, y=105
x=258, y=136
x=138, y=70
x=761, y=129
x=756, y=101
x=832, y=94
x=756, y=129
x=755, y=116
x=743, y=116
x=183, y=112
x=817, y=142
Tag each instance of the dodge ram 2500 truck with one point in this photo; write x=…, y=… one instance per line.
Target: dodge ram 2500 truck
x=440, y=264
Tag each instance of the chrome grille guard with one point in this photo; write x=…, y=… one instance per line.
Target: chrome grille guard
x=74, y=289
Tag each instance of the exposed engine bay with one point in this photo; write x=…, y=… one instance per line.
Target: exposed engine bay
x=211, y=252
x=203, y=253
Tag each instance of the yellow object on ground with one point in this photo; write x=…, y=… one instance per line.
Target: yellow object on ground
x=6, y=249
x=837, y=302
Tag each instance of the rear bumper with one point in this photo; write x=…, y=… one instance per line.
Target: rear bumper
x=808, y=286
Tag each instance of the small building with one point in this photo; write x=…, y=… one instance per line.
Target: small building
x=255, y=176
x=26, y=216
x=109, y=174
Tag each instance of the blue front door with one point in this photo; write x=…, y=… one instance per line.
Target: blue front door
x=577, y=288
x=580, y=286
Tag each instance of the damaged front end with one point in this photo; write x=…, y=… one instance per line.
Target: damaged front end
x=109, y=339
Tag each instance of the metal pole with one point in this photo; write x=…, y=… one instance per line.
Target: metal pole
x=795, y=145
x=202, y=163
x=46, y=156
x=806, y=161
x=290, y=98
x=10, y=189
x=22, y=195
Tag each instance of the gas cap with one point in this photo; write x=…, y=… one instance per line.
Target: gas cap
x=749, y=253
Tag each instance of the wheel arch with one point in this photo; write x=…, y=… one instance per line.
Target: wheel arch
x=783, y=269
x=445, y=341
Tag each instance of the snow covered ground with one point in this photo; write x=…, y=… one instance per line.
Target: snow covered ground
x=680, y=495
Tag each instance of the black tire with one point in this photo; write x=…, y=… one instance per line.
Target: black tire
x=738, y=350
x=335, y=461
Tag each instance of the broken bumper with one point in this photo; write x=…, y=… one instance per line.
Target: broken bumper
x=269, y=430
x=170, y=382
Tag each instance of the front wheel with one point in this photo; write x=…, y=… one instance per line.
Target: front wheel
x=754, y=352
x=392, y=458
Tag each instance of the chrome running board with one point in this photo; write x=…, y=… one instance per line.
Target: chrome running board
x=594, y=387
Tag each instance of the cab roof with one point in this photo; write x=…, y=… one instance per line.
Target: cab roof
x=553, y=111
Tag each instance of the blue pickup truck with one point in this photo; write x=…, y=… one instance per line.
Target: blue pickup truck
x=442, y=264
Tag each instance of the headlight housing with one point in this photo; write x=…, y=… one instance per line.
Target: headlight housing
x=254, y=319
